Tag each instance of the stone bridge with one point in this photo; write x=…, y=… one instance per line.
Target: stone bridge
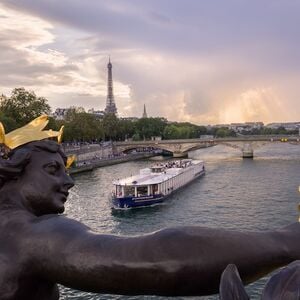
x=180, y=148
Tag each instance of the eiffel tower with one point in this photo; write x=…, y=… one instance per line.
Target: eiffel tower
x=110, y=100
x=144, y=113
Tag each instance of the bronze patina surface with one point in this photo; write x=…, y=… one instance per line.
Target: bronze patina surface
x=285, y=285
x=40, y=248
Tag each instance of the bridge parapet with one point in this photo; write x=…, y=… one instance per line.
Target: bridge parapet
x=181, y=147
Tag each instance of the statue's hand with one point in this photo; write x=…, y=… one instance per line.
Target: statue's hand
x=285, y=284
x=231, y=285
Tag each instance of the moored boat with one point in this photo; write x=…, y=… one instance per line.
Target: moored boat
x=153, y=185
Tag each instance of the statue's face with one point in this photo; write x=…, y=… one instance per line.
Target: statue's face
x=45, y=184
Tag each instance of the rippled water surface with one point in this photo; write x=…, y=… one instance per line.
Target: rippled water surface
x=256, y=194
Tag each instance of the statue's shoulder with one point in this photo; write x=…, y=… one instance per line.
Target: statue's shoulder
x=24, y=225
x=57, y=225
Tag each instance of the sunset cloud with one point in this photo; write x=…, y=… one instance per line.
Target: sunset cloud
x=205, y=62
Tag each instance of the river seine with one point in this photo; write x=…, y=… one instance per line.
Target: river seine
x=258, y=194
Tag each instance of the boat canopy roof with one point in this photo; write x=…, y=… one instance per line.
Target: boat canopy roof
x=138, y=180
x=147, y=176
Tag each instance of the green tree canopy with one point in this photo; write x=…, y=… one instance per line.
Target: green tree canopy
x=171, y=132
x=8, y=122
x=149, y=127
x=126, y=129
x=23, y=106
x=183, y=131
x=82, y=126
x=224, y=132
x=110, y=125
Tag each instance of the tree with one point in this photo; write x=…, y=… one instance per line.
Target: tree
x=9, y=123
x=201, y=130
x=136, y=137
x=23, y=106
x=82, y=126
x=224, y=132
x=126, y=129
x=110, y=126
x=171, y=132
x=281, y=130
x=183, y=131
x=73, y=112
x=148, y=127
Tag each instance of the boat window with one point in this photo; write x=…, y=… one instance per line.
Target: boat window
x=119, y=190
x=142, y=191
x=156, y=169
x=129, y=191
x=155, y=189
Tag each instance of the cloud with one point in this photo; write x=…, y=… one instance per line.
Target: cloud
x=29, y=57
x=253, y=105
x=198, y=61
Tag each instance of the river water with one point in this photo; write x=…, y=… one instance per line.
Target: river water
x=258, y=194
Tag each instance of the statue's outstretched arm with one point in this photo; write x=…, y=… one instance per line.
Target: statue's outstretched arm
x=177, y=261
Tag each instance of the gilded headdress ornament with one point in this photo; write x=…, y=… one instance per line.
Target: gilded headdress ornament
x=33, y=131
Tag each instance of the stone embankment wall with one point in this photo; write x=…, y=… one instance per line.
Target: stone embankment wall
x=90, y=165
x=91, y=156
x=88, y=152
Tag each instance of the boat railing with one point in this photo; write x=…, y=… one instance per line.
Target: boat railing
x=173, y=164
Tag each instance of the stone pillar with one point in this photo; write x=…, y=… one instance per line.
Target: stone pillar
x=247, y=151
x=180, y=154
x=177, y=152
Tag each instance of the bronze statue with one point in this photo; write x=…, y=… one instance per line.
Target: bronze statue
x=39, y=247
x=231, y=285
x=285, y=285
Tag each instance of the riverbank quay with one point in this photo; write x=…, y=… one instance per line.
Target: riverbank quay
x=84, y=152
x=90, y=165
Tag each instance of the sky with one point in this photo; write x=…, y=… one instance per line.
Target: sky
x=205, y=62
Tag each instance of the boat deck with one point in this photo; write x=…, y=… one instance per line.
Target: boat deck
x=153, y=178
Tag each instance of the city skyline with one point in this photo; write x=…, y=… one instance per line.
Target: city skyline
x=196, y=61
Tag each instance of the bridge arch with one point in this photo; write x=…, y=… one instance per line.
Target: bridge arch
x=136, y=147
x=177, y=149
x=180, y=148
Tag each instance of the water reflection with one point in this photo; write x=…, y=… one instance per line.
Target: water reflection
x=258, y=194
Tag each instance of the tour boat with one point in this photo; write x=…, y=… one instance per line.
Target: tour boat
x=153, y=185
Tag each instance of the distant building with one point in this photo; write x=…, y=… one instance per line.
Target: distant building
x=60, y=113
x=144, y=113
x=206, y=136
x=98, y=113
x=247, y=126
x=221, y=126
x=156, y=138
x=129, y=118
x=110, y=100
x=287, y=126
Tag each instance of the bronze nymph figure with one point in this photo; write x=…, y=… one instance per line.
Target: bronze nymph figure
x=40, y=248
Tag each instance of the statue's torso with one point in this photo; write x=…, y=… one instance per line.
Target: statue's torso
x=18, y=277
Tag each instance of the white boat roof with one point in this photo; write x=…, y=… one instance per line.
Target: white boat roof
x=151, y=178
x=137, y=180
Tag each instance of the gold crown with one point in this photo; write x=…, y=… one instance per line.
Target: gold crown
x=33, y=131
x=70, y=160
